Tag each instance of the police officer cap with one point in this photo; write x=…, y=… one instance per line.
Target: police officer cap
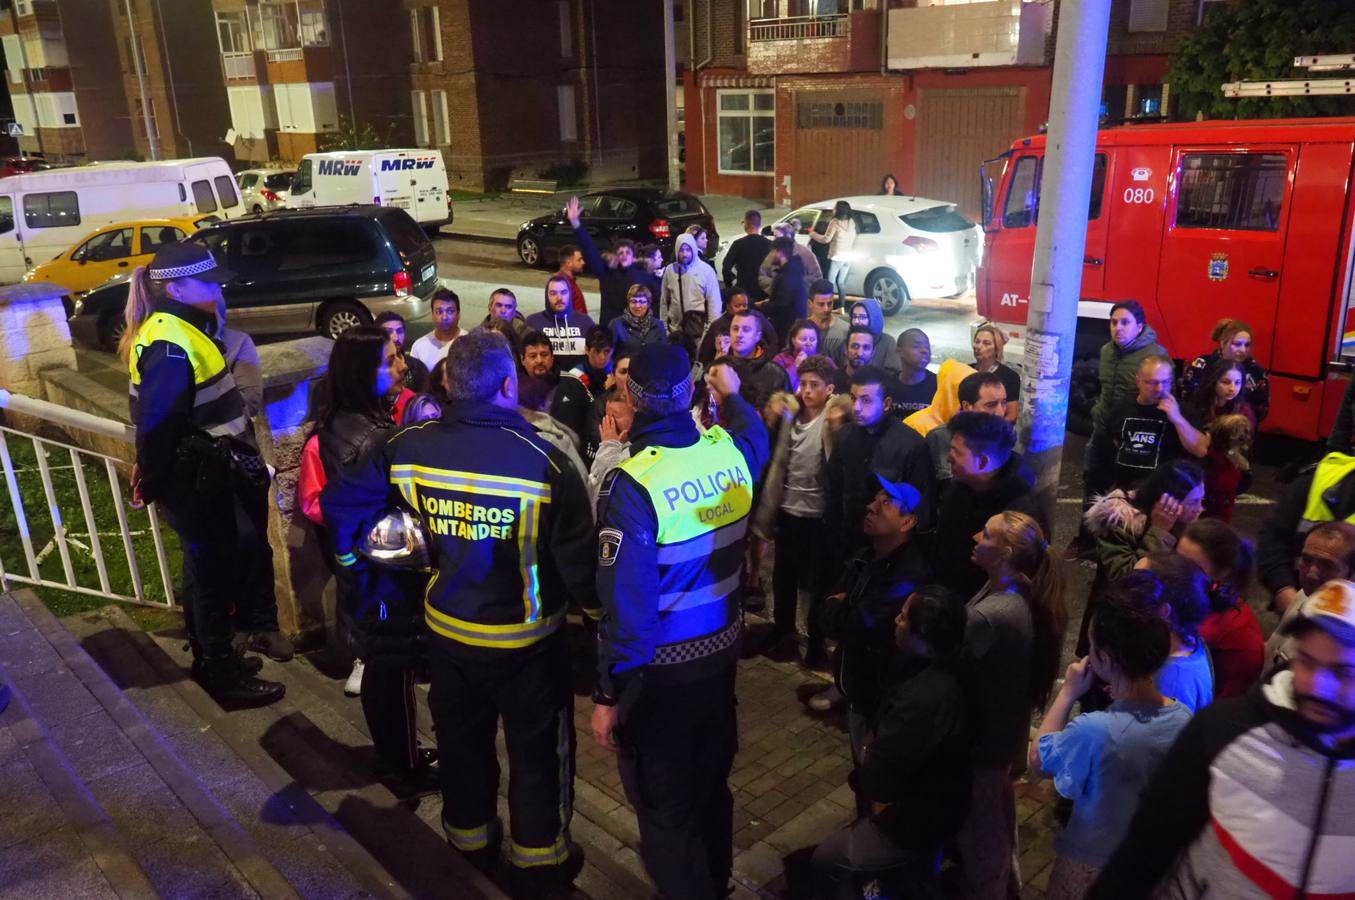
x=660, y=370
x=901, y=492
x=187, y=259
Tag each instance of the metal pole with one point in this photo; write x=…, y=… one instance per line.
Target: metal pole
x=670, y=101
x=134, y=47
x=1061, y=237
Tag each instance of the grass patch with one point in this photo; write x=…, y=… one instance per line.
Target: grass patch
x=84, y=570
x=456, y=195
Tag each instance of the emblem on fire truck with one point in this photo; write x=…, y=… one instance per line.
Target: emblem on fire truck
x=1218, y=267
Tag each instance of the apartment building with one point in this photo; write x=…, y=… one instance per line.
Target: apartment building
x=516, y=87
x=792, y=101
x=62, y=80
x=298, y=72
x=187, y=110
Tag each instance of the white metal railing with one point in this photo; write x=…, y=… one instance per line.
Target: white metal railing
x=291, y=54
x=796, y=27
x=238, y=65
x=47, y=454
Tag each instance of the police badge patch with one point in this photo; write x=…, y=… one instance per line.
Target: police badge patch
x=609, y=544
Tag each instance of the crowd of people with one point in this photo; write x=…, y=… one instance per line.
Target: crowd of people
x=713, y=433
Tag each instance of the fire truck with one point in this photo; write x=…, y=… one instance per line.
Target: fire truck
x=1198, y=221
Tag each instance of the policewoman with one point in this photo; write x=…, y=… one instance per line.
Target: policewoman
x=511, y=544
x=196, y=456
x=673, y=520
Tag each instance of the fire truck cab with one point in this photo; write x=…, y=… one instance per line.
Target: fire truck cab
x=1250, y=220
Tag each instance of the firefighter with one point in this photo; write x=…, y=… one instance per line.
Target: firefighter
x=196, y=456
x=511, y=543
x=672, y=522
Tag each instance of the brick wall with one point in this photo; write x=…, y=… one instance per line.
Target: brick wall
x=724, y=41
x=96, y=81
x=1180, y=23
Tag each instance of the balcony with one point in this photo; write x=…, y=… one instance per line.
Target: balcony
x=968, y=35
x=794, y=28
x=238, y=66
x=288, y=54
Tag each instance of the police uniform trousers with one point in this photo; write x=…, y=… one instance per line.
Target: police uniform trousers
x=531, y=690
x=255, y=607
x=224, y=537
x=677, y=746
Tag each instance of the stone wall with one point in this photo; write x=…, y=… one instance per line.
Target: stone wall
x=33, y=335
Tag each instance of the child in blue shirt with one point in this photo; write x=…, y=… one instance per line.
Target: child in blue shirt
x=1187, y=675
x=1102, y=760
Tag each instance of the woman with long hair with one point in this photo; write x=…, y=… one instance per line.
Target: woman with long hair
x=889, y=186
x=1233, y=340
x=1183, y=602
x=1231, y=631
x=840, y=236
x=802, y=342
x=383, y=615
x=142, y=294
x=1009, y=664
x=1222, y=410
x=988, y=344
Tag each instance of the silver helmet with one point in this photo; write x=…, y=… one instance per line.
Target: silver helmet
x=397, y=540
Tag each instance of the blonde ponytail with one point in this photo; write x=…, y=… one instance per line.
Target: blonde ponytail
x=1041, y=580
x=140, y=303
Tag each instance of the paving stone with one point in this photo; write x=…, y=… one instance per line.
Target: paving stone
x=56, y=696
x=30, y=809
x=95, y=745
x=52, y=866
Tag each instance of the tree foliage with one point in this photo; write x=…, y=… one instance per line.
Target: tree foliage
x=356, y=136
x=1257, y=40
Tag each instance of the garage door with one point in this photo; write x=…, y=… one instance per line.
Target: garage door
x=840, y=147
x=957, y=129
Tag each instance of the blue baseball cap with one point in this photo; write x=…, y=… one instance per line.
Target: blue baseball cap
x=901, y=492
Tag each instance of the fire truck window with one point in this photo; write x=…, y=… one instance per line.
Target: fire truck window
x=1023, y=195
x=1098, y=187
x=1232, y=191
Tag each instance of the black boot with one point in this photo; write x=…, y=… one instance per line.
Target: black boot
x=225, y=680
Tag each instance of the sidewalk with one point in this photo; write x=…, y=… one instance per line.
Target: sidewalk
x=497, y=219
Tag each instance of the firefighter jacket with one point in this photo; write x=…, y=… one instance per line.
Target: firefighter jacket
x=180, y=386
x=673, y=520
x=509, y=531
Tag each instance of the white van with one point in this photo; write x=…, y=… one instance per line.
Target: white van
x=412, y=180
x=43, y=213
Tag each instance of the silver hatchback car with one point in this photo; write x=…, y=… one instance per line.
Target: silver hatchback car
x=264, y=189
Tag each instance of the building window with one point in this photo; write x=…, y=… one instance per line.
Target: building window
x=426, y=30
x=442, y=134
x=762, y=9
x=569, y=126
x=566, y=29
x=839, y=114
x=1232, y=191
x=232, y=32
x=57, y=209
x=747, y=132
x=420, y=118
x=1148, y=15
x=275, y=26
x=313, y=27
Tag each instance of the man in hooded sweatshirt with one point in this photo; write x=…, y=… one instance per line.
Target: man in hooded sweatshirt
x=615, y=280
x=567, y=330
x=689, y=285
x=867, y=312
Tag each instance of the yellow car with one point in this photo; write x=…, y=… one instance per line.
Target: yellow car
x=115, y=248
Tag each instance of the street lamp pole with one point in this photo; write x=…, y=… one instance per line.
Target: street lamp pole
x=670, y=100
x=1060, y=238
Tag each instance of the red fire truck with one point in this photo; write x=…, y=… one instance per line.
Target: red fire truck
x=1198, y=221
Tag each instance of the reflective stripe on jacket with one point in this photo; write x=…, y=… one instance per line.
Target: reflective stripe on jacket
x=1327, y=477
x=218, y=407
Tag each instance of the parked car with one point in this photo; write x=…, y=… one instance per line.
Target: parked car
x=326, y=269
x=906, y=247
x=112, y=249
x=645, y=215
x=264, y=189
x=18, y=165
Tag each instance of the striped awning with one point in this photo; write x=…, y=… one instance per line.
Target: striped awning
x=737, y=81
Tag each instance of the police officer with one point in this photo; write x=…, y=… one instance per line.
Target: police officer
x=511, y=540
x=673, y=520
x=196, y=456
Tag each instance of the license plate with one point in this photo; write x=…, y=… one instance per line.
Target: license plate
x=428, y=272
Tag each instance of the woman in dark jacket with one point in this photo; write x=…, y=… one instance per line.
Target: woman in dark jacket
x=638, y=325
x=380, y=610
x=1234, y=340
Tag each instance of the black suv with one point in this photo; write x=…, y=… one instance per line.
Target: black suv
x=326, y=268
x=645, y=215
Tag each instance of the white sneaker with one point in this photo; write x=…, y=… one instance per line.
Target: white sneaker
x=824, y=701
x=353, y=686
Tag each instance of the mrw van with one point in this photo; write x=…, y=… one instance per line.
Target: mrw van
x=412, y=180
x=43, y=213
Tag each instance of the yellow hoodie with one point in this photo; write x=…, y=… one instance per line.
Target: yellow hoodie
x=946, y=403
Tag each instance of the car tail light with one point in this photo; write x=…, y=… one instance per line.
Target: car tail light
x=269, y=195
x=922, y=244
x=403, y=283
x=660, y=229
x=449, y=202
